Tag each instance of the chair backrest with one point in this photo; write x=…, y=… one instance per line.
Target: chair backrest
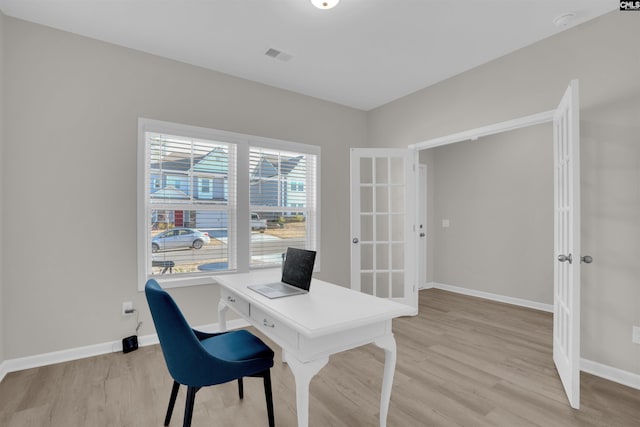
x=183, y=353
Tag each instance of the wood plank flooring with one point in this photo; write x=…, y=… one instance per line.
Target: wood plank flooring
x=462, y=361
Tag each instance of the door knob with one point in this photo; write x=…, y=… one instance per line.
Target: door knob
x=587, y=259
x=355, y=240
x=565, y=258
x=422, y=234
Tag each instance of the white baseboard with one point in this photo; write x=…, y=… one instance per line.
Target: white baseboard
x=594, y=368
x=428, y=285
x=44, y=359
x=493, y=297
x=3, y=370
x=612, y=374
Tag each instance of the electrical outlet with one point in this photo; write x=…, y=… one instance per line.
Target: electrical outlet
x=635, y=336
x=127, y=308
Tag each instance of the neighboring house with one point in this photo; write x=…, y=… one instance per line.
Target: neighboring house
x=207, y=180
x=178, y=182
x=164, y=216
x=278, y=182
x=275, y=181
x=296, y=191
x=210, y=177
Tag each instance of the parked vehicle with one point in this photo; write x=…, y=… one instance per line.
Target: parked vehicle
x=177, y=238
x=257, y=223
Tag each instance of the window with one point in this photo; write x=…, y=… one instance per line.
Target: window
x=205, y=185
x=212, y=201
x=297, y=186
x=276, y=187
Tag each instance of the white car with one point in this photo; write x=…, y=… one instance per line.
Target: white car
x=257, y=223
x=177, y=238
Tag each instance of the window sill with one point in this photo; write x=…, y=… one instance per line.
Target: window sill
x=168, y=282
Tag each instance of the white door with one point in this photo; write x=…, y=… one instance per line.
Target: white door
x=566, y=299
x=422, y=226
x=383, y=227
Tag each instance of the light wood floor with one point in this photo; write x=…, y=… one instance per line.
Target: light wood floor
x=462, y=362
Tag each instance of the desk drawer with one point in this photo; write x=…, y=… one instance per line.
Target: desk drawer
x=234, y=301
x=273, y=328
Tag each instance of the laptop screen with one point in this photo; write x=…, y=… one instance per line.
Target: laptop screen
x=298, y=268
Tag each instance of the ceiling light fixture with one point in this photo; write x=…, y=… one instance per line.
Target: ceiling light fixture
x=324, y=4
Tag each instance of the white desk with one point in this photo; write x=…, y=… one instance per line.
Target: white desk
x=311, y=327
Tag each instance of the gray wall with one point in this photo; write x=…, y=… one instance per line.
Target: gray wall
x=2, y=168
x=497, y=193
x=529, y=81
x=71, y=135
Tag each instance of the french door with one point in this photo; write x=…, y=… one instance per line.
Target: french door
x=384, y=241
x=566, y=299
x=383, y=218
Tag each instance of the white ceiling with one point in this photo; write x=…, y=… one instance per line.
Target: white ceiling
x=362, y=53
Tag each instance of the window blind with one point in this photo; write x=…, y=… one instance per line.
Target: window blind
x=282, y=198
x=191, y=196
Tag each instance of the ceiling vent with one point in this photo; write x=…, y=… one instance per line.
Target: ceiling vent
x=277, y=54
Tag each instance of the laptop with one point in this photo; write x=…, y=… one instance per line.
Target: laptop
x=296, y=275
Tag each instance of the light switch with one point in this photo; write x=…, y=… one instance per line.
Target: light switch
x=445, y=223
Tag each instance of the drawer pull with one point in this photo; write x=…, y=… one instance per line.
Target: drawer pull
x=267, y=324
x=232, y=299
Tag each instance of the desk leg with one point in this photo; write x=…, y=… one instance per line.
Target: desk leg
x=388, y=343
x=222, y=315
x=303, y=372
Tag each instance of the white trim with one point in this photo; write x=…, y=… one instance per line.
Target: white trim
x=616, y=375
x=473, y=134
x=167, y=281
x=494, y=297
x=422, y=190
x=428, y=285
x=141, y=204
x=161, y=126
x=316, y=228
x=45, y=359
x=3, y=370
x=610, y=373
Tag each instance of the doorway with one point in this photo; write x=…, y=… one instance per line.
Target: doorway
x=492, y=208
x=566, y=224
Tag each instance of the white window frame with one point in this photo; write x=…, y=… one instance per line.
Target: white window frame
x=242, y=207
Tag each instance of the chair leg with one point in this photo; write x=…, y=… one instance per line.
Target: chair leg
x=188, y=408
x=172, y=402
x=269, y=397
x=240, y=388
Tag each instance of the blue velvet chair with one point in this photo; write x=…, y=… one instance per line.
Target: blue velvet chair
x=197, y=359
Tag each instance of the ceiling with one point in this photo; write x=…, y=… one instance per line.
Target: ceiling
x=362, y=53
